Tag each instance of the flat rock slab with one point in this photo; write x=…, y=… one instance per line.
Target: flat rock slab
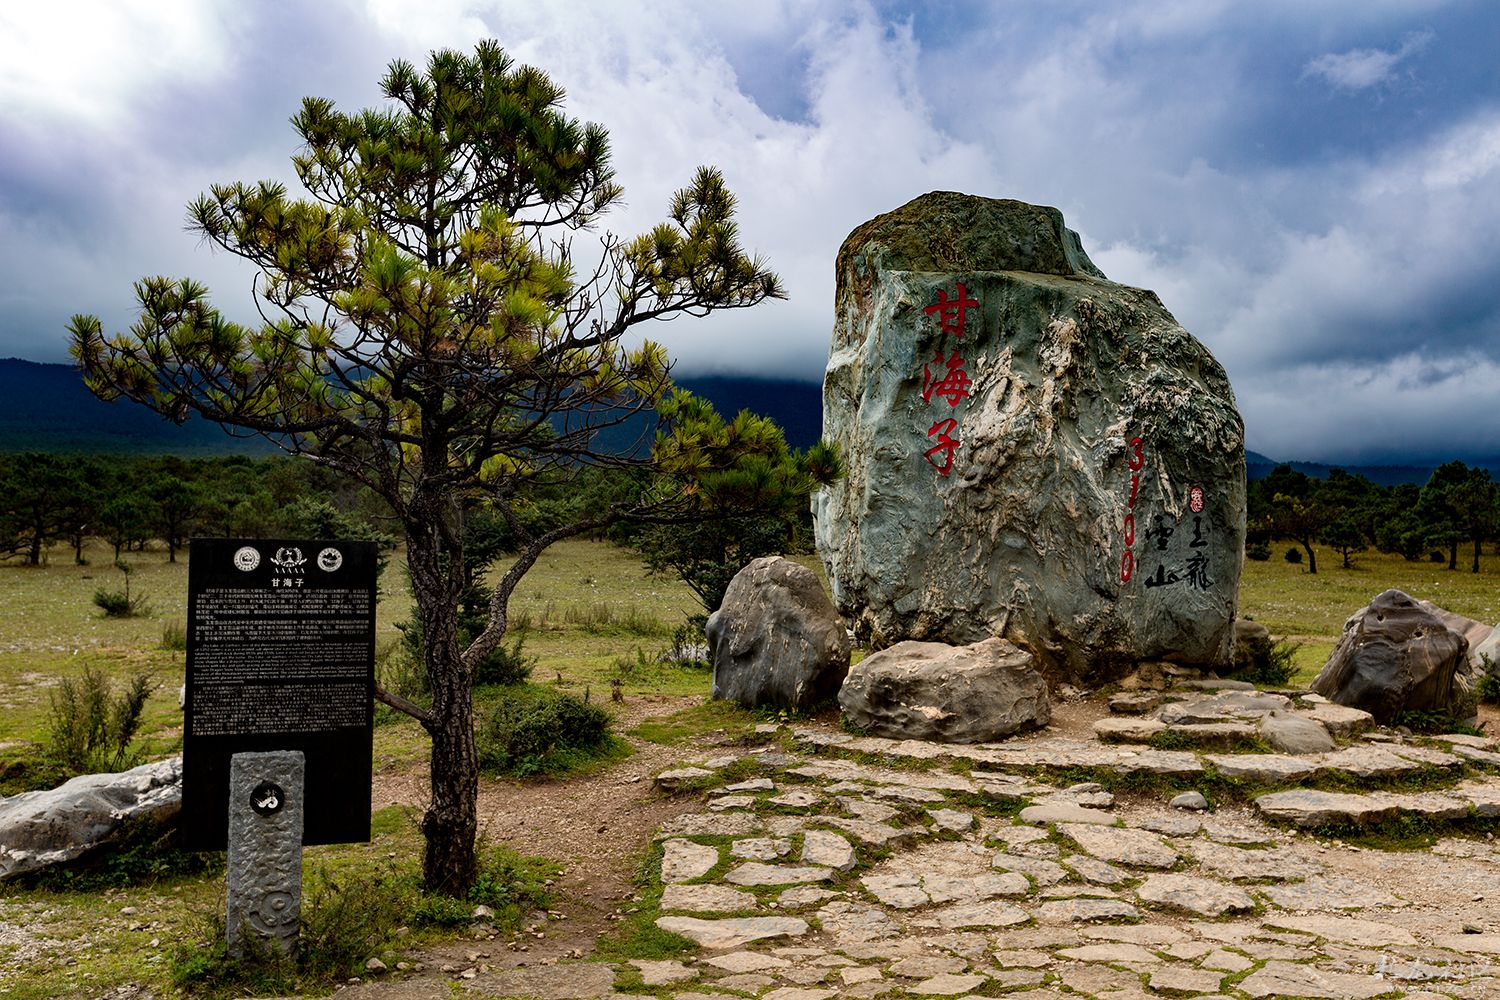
x=683, y=860
x=660, y=973
x=1339, y=720
x=1263, y=768
x=1039, y=870
x=1079, y=911
x=671, y=781
x=992, y=913
x=867, y=832
x=1309, y=807
x=731, y=932
x=707, y=899
x=1115, y=953
x=1127, y=730
x=856, y=922
x=1345, y=930
x=1202, y=896
x=1330, y=892
x=756, y=873
x=1177, y=981
x=1096, y=871
x=827, y=849
x=572, y=981
x=947, y=985
x=1367, y=762
x=1136, y=848
x=1238, y=864
x=1294, y=980
x=760, y=848
x=1065, y=812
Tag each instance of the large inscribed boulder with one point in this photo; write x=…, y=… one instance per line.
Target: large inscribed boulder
x=1396, y=655
x=1032, y=451
x=776, y=639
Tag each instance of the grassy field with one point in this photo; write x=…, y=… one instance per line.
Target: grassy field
x=591, y=614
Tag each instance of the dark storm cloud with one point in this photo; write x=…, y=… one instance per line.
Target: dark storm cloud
x=1314, y=190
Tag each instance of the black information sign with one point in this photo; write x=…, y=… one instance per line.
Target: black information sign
x=280, y=656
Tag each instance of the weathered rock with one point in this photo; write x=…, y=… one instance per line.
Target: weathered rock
x=1291, y=733
x=732, y=932
x=1394, y=655
x=1309, y=807
x=827, y=849
x=776, y=639
x=1202, y=896
x=1127, y=730
x=1071, y=477
x=707, y=898
x=1127, y=847
x=1294, y=980
x=952, y=694
x=1193, y=800
x=1079, y=911
x=39, y=829
x=1476, y=632
x=683, y=860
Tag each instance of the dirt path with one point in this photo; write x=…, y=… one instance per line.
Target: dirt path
x=596, y=827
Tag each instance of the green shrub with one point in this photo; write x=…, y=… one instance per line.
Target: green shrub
x=89, y=727
x=174, y=637
x=1294, y=555
x=120, y=603
x=511, y=885
x=1266, y=663
x=1258, y=551
x=533, y=730
x=1436, y=556
x=1487, y=687
x=506, y=664
x=344, y=924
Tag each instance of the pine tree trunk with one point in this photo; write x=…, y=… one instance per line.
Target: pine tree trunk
x=451, y=821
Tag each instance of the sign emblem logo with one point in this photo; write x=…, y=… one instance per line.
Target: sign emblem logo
x=330, y=559
x=267, y=799
x=288, y=558
x=246, y=558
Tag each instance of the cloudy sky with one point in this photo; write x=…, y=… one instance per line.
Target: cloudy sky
x=1312, y=188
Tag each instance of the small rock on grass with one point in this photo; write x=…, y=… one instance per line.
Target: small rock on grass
x=1189, y=800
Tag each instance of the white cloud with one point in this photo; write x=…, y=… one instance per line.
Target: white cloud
x=1361, y=69
x=92, y=61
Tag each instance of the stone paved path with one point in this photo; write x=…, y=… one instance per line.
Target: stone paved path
x=855, y=867
x=826, y=865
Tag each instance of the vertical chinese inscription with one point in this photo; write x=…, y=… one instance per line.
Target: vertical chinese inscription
x=1136, y=463
x=945, y=378
x=281, y=647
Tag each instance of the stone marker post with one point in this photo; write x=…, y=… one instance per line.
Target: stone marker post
x=265, y=850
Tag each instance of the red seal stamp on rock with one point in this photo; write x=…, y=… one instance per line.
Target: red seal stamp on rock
x=1195, y=499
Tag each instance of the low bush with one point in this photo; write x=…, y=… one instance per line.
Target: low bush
x=120, y=603
x=506, y=664
x=511, y=885
x=1264, y=662
x=90, y=727
x=1258, y=551
x=533, y=730
x=1294, y=555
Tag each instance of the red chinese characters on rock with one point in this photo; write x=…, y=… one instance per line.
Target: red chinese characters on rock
x=1136, y=463
x=945, y=377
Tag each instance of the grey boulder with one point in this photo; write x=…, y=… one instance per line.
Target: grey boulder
x=40, y=829
x=777, y=639
x=1032, y=451
x=950, y=694
x=1395, y=655
x=1291, y=733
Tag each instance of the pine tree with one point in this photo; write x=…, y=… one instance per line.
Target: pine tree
x=425, y=333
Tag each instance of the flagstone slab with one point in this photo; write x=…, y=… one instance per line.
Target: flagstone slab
x=1137, y=848
x=805, y=895
x=756, y=873
x=1095, y=871
x=1297, y=980
x=662, y=972
x=740, y=824
x=732, y=932
x=847, y=921
x=1310, y=807
x=951, y=820
x=947, y=985
x=797, y=798
x=927, y=966
x=1113, y=953
x=760, y=848
x=1178, y=981
x=1345, y=930
x=707, y=899
x=746, y=961
x=1367, y=762
x=1065, y=812
x=1328, y=892
x=683, y=860
x=1077, y=911
x=873, y=812
x=1339, y=720
x=1263, y=768
x=828, y=849
x=990, y=913
x=1202, y=896
x=1115, y=729
x=1039, y=870
x=873, y=834
x=1238, y=864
